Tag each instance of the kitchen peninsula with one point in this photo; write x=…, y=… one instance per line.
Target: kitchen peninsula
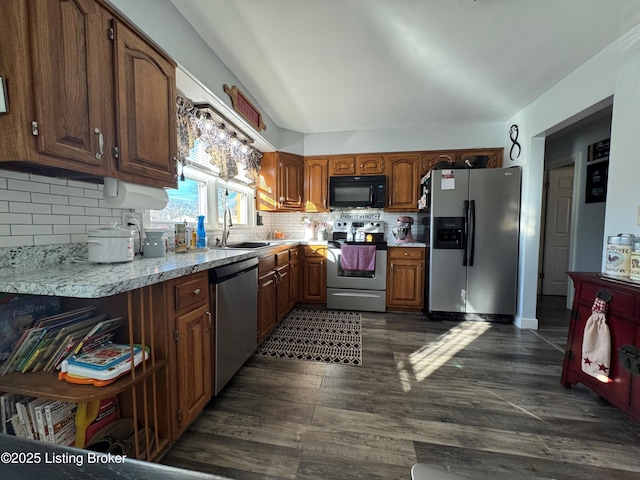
x=166, y=305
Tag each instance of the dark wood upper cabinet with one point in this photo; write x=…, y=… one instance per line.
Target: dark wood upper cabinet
x=89, y=96
x=281, y=182
x=316, y=185
x=146, y=107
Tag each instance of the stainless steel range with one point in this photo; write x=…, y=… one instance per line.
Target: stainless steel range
x=361, y=287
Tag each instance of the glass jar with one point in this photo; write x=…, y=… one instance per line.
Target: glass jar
x=634, y=268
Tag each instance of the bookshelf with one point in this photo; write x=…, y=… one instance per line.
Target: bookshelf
x=141, y=392
x=46, y=385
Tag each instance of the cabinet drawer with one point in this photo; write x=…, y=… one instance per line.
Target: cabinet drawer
x=266, y=264
x=622, y=303
x=282, y=258
x=193, y=291
x=315, y=251
x=407, y=253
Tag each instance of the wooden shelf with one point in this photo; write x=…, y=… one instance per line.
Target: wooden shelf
x=47, y=385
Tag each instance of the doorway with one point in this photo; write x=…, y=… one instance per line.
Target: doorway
x=556, y=238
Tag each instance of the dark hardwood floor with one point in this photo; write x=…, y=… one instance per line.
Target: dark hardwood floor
x=476, y=395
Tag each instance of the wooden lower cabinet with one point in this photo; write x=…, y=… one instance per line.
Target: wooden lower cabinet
x=405, y=278
x=277, y=288
x=266, y=305
x=294, y=274
x=623, y=320
x=283, y=292
x=314, y=274
x=192, y=366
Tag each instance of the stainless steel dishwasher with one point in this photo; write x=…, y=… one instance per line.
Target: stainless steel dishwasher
x=236, y=317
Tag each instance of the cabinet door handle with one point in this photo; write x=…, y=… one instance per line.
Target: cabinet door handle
x=100, y=143
x=209, y=316
x=390, y=202
x=197, y=291
x=324, y=202
x=299, y=200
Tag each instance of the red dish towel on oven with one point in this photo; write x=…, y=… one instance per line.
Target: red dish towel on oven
x=358, y=257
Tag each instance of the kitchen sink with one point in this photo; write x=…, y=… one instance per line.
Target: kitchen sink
x=246, y=245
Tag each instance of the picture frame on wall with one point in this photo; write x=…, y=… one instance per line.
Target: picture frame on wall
x=597, y=175
x=598, y=151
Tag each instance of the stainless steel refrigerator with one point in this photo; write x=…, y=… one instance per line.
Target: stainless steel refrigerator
x=474, y=230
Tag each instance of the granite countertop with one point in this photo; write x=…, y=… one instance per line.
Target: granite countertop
x=407, y=244
x=84, y=279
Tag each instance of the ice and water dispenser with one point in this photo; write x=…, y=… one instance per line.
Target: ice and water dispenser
x=449, y=232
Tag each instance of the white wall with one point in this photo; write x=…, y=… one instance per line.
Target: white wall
x=432, y=137
x=163, y=23
x=583, y=92
x=623, y=194
x=588, y=227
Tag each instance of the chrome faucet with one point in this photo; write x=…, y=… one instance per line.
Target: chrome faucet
x=226, y=225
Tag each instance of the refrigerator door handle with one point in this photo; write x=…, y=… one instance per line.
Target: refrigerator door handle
x=472, y=233
x=465, y=226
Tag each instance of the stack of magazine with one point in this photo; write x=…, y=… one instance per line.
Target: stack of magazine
x=53, y=339
x=50, y=421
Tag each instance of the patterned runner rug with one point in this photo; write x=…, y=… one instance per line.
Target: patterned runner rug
x=318, y=336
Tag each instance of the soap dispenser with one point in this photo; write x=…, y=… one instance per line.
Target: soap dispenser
x=201, y=233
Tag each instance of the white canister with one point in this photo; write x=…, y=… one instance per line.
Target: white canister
x=111, y=245
x=634, y=267
x=618, y=256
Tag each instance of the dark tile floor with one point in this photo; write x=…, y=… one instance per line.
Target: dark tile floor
x=468, y=394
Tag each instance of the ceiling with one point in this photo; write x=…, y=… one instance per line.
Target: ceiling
x=334, y=65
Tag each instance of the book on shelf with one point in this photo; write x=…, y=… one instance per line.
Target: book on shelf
x=41, y=421
x=33, y=405
x=59, y=415
x=56, y=336
x=57, y=341
x=7, y=409
x=69, y=316
x=96, y=336
x=17, y=317
x=35, y=341
x=15, y=427
x=24, y=417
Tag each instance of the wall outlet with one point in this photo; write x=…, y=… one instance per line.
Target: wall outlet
x=128, y=217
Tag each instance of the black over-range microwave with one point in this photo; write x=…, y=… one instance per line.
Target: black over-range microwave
x=357, y=192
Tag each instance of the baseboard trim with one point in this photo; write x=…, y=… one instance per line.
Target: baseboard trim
x=530, y=323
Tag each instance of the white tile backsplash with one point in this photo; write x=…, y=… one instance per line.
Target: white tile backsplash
x=43, y=214
x=38, y=210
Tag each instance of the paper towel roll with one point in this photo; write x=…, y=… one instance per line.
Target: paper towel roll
x=119, y=194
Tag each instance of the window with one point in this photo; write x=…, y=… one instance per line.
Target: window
x=204, y=193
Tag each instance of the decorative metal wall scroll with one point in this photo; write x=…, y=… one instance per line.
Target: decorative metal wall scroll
x=515, y=150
